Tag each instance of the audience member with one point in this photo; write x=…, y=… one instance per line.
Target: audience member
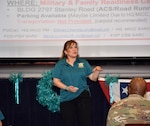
x=133, y=109
x=1, y=118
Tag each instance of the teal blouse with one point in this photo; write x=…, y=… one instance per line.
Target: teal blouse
x=1, y=116
x=75, y=75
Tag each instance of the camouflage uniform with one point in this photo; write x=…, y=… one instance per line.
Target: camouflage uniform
x=133, y=109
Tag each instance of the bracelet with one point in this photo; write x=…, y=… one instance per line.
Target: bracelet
x=66, y=88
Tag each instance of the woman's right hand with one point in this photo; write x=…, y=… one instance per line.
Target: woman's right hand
x=72, y=89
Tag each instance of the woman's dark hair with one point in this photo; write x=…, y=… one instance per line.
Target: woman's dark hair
x=66, y=46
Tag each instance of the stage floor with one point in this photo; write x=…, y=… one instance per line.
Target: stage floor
x=36, y=70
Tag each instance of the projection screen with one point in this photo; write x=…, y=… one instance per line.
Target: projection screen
x=103, y=28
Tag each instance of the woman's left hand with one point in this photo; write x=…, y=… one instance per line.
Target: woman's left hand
x=97, y=68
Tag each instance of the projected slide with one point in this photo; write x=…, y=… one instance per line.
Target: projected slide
x=37, y=26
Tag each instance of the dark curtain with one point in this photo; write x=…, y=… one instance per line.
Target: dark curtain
x=30, y=113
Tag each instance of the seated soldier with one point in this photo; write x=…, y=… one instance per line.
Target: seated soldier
x=133, y=109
